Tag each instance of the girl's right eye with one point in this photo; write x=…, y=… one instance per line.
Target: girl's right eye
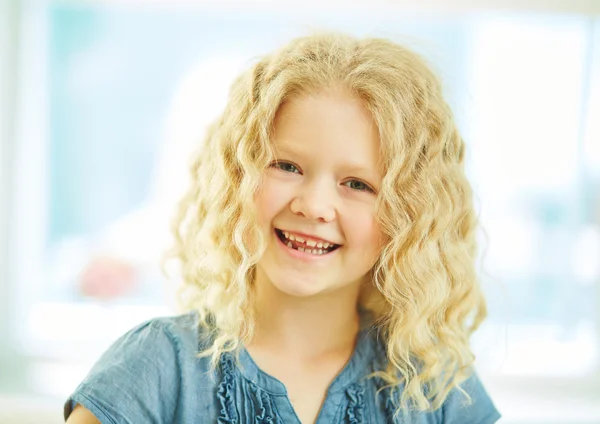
x=286, y=166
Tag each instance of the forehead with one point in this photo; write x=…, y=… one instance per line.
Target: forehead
x=330, y=125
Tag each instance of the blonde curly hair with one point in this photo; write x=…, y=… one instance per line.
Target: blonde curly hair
x=425, y=294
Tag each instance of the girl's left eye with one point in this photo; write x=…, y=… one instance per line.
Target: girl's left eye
x=358, y=186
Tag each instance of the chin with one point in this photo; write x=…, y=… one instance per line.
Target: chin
x=299, y=287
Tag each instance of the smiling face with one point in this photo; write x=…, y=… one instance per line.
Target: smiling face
x=317, y=200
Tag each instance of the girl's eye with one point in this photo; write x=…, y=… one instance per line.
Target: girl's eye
x=286, y=166
x=358, y=186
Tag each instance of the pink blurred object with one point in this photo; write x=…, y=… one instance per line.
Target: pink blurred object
x=107, y=278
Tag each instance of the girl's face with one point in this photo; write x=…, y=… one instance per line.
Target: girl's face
x=317, y=200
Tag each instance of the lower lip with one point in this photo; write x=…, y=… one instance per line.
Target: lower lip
x=302, y=255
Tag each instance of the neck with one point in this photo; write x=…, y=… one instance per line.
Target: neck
x=305, y=327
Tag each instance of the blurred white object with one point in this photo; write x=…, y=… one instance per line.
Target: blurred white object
x=130, y=249
x=142, y=235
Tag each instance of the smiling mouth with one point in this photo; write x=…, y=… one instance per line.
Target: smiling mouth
x=306, y=246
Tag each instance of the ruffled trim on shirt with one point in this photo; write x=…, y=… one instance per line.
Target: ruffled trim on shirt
x=265, y=411
x=260, y=407
x=228, y=413
x=390, y=408
x=356, y=405
x=386, y=394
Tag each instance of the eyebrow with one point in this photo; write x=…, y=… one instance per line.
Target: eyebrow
x=283, y=150
x=352, y=167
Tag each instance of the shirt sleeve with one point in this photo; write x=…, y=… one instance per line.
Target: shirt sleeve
x=457, y=409
x=135, y=381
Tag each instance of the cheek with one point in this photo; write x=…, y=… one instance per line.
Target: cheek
x=271, y=199
x=364, y=231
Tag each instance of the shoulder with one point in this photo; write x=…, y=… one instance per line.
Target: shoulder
x=159, y=341
x=182, y=331
x=471, y=404
x=477, y=408
x=140, y=377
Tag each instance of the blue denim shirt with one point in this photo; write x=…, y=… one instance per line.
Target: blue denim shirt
x=152, y=375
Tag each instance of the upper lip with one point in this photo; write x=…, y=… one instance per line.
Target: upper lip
x=308, y=236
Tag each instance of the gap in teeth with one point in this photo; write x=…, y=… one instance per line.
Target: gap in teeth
x=309, y=243
x=302, y=249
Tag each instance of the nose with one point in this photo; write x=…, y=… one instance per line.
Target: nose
x=315, y=201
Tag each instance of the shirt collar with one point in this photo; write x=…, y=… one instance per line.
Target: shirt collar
x=355, y=369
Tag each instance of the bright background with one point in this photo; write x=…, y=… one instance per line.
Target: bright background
x=101, y=101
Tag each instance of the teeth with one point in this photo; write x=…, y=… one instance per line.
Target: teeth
x=321, y=246
x=306, y=250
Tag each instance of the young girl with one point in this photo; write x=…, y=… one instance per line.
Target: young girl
x=327, y=249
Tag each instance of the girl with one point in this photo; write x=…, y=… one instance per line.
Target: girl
x=327, y=249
